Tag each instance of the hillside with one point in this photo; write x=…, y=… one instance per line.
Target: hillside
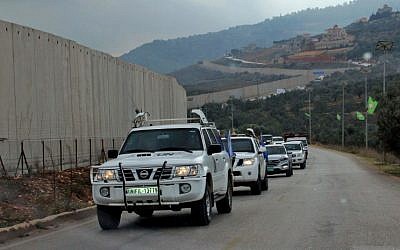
x=169, y=55
x=199, y=80
x=286, y=112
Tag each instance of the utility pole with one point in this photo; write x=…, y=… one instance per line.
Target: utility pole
x=365, y=71
x=385, y=46
x=366, y=112
x=309, y=112
x=232, y=113
x=384, y=73
x=343, y=115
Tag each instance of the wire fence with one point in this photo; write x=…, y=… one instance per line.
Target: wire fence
x=28, y=157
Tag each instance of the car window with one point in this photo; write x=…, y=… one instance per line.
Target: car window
x=206, y=138
x=276, y=150
x=161, y=139
x=212, y=137
x=243, y=145
x=293, y=146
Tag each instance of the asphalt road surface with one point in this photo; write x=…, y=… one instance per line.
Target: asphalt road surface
x=335, y=203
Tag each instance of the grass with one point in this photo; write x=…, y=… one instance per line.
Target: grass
x=388, y=163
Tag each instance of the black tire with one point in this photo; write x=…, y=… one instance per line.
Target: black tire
x=224, y=206
x=145, y=213
x=108, y=217
x=303, y=165
x=201, y=211
x=256, y=187
x=264, y=184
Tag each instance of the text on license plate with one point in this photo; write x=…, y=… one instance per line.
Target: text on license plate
x=142, y=191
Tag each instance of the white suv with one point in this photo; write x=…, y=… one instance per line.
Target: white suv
x=295, y=148
x=166, y=167
x=249, y=168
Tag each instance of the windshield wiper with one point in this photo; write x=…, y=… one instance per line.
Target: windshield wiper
x=175, y=149
x=138, y=151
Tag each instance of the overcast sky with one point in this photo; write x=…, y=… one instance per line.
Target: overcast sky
x=117, y=26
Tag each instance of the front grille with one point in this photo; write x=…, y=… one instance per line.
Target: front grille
x=144, y=173
x=274, y=162
x=167, y=173
x=128, y=175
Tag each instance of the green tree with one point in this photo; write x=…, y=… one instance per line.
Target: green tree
x=389, y=121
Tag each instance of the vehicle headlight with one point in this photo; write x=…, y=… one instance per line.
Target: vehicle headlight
x=183, y=171
x=248, y=162
x=105, y=175
x=283, y=159
x=298, y=155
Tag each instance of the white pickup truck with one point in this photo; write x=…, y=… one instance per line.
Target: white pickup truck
x=165, y=167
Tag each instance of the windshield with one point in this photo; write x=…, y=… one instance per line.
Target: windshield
x=242, y=145
x=276, y=150
x=267, y=137
x=183, y=139
x=277, y=139
x=291, y=147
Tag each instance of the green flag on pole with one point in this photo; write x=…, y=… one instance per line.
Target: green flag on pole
x=307, y=114
x=338, y=117
x=372, y=104
x=360, y=116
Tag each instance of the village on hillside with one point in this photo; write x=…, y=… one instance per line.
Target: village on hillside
x=331, y=47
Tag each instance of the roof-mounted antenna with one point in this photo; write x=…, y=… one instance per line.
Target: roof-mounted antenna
x=200, y=113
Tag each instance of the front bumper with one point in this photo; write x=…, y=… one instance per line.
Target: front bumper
x=170, y=194
x=277, y=168
x=243, y=174
x=298, y=160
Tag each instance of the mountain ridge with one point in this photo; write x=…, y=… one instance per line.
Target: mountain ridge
x=165, y=56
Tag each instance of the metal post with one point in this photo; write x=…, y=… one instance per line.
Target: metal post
x=384, y=73
x=22, y=158
x=76, y=153
x=309, y=112
x=232, y=114
x=61, y=162
x=366, y=112
x=90, y=151
x=343, y=116
x=43, y=160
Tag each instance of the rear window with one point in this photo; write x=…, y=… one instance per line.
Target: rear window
x=290, y=147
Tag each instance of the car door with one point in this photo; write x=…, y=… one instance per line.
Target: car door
x=220, y=161
x=261, y=159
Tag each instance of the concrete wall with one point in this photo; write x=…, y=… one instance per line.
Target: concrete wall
x=300, y=78
x=54, y=89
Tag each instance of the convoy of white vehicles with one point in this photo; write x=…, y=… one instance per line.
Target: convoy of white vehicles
x=186, y=165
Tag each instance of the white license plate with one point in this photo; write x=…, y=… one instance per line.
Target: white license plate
x=141, y=191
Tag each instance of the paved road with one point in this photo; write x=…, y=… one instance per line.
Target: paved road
x=333, y=204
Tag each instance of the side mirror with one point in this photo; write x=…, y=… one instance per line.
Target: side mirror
x=262, y=150
x=214, y=149
x=112, y=154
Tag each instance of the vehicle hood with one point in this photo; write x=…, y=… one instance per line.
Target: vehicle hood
x=243, y=155
x=296, y=151
x=276, y=157
x=156, y=159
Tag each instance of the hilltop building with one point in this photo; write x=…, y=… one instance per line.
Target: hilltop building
x=335, y=38
x=384, y=12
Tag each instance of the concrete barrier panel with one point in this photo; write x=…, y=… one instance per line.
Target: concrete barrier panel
x=70, y=104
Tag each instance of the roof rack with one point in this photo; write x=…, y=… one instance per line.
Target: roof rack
x=142, y=118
